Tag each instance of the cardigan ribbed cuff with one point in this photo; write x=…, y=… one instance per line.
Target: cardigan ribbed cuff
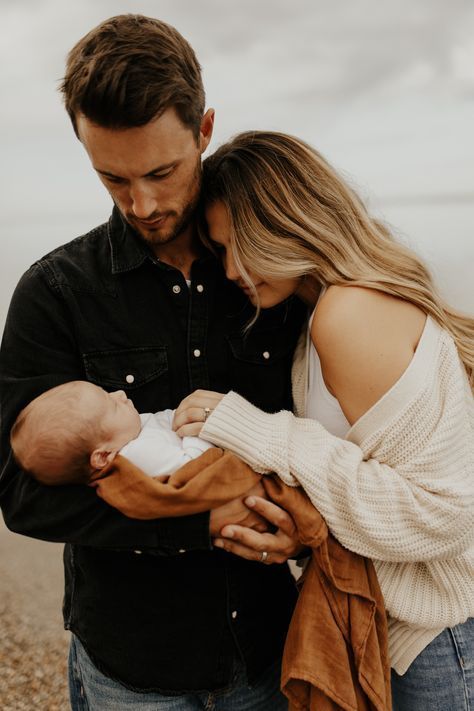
x=238, y=425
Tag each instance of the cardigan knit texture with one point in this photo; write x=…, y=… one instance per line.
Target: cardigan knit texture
x=399, y=489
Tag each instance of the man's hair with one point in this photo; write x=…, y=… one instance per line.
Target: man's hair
x=52, y=440
x=128, y=70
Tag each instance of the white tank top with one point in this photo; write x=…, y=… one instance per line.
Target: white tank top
x=321, y=405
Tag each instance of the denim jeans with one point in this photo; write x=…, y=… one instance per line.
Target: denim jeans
x=442, y=677
x=90, y=690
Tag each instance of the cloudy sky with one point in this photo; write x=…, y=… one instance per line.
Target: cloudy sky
x=385, y=90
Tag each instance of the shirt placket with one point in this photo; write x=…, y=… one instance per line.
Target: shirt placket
x=198, y=367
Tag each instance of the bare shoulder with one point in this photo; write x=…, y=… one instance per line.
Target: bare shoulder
x=343, y=312
x=365, y=340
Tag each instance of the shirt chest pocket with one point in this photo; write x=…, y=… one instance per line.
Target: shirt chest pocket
x=142, y=372
x=260, y=368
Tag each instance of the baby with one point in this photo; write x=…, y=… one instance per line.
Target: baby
x=71, y=431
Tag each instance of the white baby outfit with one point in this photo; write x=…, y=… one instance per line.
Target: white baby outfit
x=158, y=450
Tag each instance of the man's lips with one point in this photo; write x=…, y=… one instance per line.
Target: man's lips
x=152, y=223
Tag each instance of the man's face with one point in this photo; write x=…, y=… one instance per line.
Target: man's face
x=152, y=172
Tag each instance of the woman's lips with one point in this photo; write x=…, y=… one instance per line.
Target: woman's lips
x=248, y=290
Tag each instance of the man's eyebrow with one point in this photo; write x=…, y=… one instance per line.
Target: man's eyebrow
x=158, y=169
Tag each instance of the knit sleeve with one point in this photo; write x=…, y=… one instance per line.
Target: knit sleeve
x=408, y=499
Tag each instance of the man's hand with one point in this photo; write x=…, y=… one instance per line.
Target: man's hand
x=251, y=544
x=190, y=415
x=237, y=513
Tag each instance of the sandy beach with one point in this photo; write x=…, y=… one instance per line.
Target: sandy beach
x=33, y=644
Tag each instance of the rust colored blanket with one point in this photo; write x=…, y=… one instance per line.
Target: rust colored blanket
x=335, y=654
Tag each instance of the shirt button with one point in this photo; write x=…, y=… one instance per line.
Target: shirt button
x=234, y=614
x=182, y=550
x=130, y=379
x=266, y=355
x=176, y=288
x=200, y=288
x=196, y=352
x=138, y=552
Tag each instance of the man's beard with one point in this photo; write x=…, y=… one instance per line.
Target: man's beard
x=154, y=237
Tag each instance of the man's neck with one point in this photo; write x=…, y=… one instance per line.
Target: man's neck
x=181, y=252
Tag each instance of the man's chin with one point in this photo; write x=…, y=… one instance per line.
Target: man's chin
x=155, y=235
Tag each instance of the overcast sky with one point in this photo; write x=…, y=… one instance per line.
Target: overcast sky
x=385, y=90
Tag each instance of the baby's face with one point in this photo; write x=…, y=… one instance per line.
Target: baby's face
x=119, y=420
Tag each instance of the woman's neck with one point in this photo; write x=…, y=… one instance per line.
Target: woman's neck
x=309, y=290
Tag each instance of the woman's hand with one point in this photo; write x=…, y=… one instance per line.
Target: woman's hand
x=252, y=545
x=192, y=412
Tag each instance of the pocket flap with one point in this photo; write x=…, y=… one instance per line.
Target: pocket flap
x=128, y=368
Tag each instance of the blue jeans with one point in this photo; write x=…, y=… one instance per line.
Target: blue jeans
x=442, y=677
x=90, y=690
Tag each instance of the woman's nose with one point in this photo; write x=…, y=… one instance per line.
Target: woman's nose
x=231, y=270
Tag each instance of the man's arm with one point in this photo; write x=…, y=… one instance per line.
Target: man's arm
x=39, y=351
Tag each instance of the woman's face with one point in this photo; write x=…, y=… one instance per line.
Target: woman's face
x=270, y=291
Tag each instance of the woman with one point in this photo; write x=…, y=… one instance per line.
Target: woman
x=383, y=438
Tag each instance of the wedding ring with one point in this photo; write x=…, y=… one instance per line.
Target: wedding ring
x=263, y=557
x=207, y=412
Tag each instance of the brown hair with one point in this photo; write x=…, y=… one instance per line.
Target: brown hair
x=128, y=70
x=52, y=440
x=292, y=215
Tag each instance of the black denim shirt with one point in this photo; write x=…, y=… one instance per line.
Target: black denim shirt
x=155, y=606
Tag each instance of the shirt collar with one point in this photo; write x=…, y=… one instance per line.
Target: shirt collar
x=128, y=251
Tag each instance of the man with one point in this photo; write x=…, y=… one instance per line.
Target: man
x=159, y=618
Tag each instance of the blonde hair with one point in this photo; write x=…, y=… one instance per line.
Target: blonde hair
x=292, y=215
x=52, y=437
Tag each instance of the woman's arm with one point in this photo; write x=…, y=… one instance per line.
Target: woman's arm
x=406, y=494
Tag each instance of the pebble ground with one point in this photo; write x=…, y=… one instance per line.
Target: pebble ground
x=33, y=644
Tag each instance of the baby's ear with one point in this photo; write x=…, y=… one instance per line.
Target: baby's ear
x=100, y=458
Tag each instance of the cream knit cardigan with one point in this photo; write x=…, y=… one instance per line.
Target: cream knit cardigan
x=398, y=489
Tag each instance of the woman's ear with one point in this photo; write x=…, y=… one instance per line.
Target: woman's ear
x=100, y=458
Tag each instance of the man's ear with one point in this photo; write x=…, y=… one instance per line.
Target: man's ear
x=206, y=128
x=100, y=458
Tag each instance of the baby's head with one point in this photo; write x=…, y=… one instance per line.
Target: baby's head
x=70, y=431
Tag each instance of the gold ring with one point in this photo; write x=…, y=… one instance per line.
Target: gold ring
x=263, y=557
x=207, y=412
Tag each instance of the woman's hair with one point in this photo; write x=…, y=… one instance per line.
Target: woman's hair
x=291, y=215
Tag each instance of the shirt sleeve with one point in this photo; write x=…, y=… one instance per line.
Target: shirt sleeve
x=39, y=352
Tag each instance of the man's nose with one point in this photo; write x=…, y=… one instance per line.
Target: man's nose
x=119, y=395
x=144, y=203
